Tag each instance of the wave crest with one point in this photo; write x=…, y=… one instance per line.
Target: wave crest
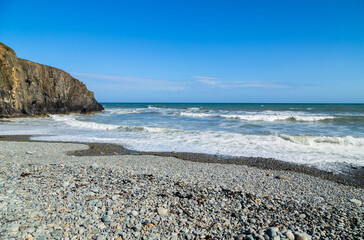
x=312, y=140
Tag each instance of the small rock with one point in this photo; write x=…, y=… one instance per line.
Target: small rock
x=14, y=227
x=162, y=211
x=289, y=235
x=102, y=226
x=272, y=232
x=134, y=213
x=106, y=219
x=283, y=177
x=137, y=228
x=30, y=230
x=302, y=236
x=95, y=166
x=101, y=237
x=356, y=202
x=302, y=215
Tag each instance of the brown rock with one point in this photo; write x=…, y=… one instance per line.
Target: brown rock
x=28, y=88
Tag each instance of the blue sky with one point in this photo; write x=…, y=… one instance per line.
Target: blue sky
x=197, y=51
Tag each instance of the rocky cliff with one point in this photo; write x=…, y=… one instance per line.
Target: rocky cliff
x=28, y=88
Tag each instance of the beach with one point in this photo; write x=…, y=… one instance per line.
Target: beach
x=67, y=191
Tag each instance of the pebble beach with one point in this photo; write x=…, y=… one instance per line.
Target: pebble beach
x=48, y=193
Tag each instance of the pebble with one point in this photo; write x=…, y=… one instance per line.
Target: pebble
x=162, y=211
x=283, y=177
x=272, y=232
x=356, y=202
x=289, y=235
x=147, y=197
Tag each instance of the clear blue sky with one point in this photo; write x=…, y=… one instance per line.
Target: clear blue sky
x=197, y=51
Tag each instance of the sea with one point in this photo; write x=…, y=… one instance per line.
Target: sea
x=326, y=136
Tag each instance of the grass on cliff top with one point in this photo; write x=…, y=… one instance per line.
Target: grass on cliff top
x=6, y=47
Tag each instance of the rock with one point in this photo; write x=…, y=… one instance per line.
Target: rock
x=30, y=230
x=302, y=215
x=174, y=236
x=356, y=202
x=283, y=177
x=134, y=213
x=289, y=235
x=272, y=232
x=162, y=211
x=101, y=237
x=95, y=166
x=240, y=237
x=29, y=88
x=137, y=227
x=249, y=237
x=14, y=227
x=302, y=236
x=106, y=219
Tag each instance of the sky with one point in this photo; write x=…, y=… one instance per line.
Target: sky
x=302, y=51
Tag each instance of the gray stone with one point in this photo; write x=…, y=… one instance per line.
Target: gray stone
x=356, y=202
x=289, y=235
x=162, y=211
x=272, y=232
x=283, y=177
x=13, y=227
x=95, y=166
x=302, y=236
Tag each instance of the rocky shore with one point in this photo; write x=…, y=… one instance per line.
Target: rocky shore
x=48, y=193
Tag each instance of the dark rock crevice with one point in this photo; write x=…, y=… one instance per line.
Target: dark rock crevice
x=28, y=88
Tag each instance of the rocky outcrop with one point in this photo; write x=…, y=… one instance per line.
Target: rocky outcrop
x=28, y=88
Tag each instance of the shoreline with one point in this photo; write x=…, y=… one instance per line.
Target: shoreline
x=352, y=176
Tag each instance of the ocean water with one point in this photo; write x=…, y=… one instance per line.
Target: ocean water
x=327, y=136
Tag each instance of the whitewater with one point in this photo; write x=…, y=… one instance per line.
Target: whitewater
x=326, y=136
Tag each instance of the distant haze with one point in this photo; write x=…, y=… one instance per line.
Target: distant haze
x=197, y=51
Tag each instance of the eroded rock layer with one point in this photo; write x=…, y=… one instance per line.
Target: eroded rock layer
x=28, y=88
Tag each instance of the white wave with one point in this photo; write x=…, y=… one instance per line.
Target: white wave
x=319, y=151
x=122, y=111
x=196, y=115
x=270, y=116
x=315, y=140
x=152, y=107
x=193, y=108
x=316, y=153
x=148, y=129
x=71, y=121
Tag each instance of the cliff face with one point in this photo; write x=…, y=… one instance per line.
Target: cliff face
x=28, y=88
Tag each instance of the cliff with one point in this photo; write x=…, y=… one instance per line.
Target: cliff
x=28, y=88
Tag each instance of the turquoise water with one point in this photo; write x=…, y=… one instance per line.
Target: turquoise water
x=324, y=135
